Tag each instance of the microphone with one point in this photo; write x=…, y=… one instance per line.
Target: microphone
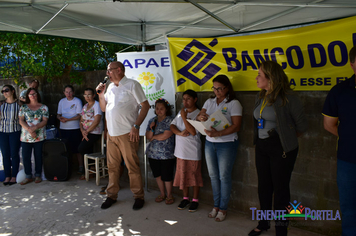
x=104, y=82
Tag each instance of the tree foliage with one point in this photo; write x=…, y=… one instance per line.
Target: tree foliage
x=51, y=57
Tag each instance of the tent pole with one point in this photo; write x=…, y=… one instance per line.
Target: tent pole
x=143, y=36
x=213, y=15
x=65, y=5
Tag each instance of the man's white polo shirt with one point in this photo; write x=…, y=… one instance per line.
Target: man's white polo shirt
x=123, y=103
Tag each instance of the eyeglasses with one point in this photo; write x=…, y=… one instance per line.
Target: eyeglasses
x=87, y=95
x=217, y=89
x=109, y=70
x=5, y=90
x=32, y=95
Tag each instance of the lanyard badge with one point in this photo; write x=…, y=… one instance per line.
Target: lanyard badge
x=260, y=121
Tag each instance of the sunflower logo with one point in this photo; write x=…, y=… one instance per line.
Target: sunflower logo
x=212, y=119
x=145, y=79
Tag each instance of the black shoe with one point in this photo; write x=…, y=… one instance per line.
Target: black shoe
x=256, y=233
x=6, y=183
x=138, y=204
x=183, y=204
x=108, y=202
x=11, y=183
x=281, y=231
x=193, y=207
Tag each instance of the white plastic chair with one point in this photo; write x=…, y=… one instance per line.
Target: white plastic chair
x=99, y=163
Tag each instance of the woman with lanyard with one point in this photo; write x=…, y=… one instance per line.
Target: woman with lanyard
x=278, y=121
x=10, y=131
x=221, y=146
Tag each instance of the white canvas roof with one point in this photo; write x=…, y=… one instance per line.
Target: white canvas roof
x=148, y=22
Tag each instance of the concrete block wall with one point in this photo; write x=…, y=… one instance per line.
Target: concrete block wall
x=313, y=181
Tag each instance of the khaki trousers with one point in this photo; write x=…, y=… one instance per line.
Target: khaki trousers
x=118, y=148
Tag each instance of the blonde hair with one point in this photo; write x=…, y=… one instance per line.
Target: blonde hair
x=278, y=82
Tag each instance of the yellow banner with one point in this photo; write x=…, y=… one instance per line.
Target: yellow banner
x=314, y=57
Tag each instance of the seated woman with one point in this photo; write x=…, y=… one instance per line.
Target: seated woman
x=33, y=118
x=91, y=125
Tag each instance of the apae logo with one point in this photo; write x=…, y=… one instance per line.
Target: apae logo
x=147, y=79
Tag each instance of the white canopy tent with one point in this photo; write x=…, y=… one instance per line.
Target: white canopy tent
x=148, y=22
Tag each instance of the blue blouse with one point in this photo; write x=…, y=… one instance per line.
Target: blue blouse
x=161, y=150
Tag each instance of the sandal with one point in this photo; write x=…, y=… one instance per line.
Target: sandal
x=220, y=217
x=213, y=213
x=160, y=198
x=38, y=180
x=26, y=181
x=170, y=200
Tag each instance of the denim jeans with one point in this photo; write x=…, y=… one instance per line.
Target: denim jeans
x=220, y=158
x=26, y=157
x=346, y=182
x=10, y=147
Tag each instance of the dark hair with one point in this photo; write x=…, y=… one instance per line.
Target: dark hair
x=166, y=105
x=193, y=94
x=35, y=81
x=223, y=79
x=11, y=89
x=352, y=54
x=90, y=89
x=68, y=86
x=28, y=92
x=279, y=83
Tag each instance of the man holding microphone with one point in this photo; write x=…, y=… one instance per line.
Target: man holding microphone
x=121, y=104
